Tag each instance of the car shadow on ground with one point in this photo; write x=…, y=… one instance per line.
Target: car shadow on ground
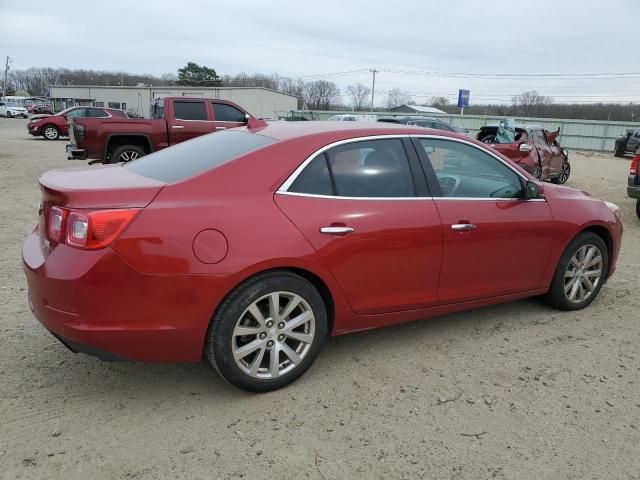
x=61, y=369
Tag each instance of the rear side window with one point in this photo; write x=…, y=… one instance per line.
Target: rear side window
x=190, y=110
x=96, y=113
x=369, y=168
x=190, y=158
x=226, y=113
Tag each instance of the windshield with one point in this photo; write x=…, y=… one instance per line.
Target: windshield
x=12, y=104
x=195, y=156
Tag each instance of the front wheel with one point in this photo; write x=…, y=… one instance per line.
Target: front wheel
x=126, y=153
x=537, y=171
x=9, y=115
x=268, y=332
x=51, y=133
x=580, y=273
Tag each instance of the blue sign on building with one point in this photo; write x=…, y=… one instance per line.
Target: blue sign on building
x=463, y=98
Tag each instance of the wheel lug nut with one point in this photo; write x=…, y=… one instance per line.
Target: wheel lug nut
x=281, y=325
x=270, y=343
x=263, y=335
x=280, y=338
x=270, y=324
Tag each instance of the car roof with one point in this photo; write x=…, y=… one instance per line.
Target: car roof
x=340, y=130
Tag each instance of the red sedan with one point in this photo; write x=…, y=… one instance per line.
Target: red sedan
x=52, y=127
x=250, y=246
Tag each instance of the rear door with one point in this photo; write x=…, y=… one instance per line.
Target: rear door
x=227, y=116
x=494, y=242
x=191, y=118
x=365, y=208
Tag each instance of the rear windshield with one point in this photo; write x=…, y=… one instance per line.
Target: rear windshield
x=190, y=158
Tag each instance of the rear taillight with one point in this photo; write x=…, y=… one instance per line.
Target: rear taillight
x=87, y=230
x=94, y=230
x=78, y=131
x=634, y=165
x=56, y=223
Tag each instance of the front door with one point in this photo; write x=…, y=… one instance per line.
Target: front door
x=358, y=205
x=494, y=242
x=227, y=116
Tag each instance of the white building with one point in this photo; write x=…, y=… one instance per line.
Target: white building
x=261, y=102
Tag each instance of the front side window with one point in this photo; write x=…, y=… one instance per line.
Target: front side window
x=465, y=171
x=226, y=113
x=78, y=112
x=97, y=113
x=190, y=110
x=368, y=168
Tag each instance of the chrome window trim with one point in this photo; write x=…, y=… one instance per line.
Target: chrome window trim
x=283, y=189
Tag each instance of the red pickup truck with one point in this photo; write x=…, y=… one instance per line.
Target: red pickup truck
x=173, y=120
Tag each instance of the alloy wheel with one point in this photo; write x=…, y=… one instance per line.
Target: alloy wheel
x=583, y=273
x=537, y=171
x=273, y=335
x=564, y=172
x=50, y=133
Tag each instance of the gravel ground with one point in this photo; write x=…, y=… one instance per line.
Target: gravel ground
x=516, y=391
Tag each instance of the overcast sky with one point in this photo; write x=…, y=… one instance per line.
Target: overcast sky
x=405, y=40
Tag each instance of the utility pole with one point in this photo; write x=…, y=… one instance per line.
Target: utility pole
x=4, y=83
x=373, y=87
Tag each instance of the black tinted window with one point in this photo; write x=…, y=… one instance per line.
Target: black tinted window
x=196, y=156
x=315, y=178
x=226, y=113
x=78, y=112
x=190, y=110
x=465, y=171
x=373, y=168
x=96, y=113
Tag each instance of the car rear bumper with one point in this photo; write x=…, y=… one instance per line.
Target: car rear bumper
x=75, y=153
x=95, y=303
x=633, y=189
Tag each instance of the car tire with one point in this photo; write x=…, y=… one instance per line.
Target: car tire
x=638, y=208
x=564, y=174
x=51, y=132
x=618, y=152
x=568, y=279
x=280, y=351
x=9, y=115
x=126, y=153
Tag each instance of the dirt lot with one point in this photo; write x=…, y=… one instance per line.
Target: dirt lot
x=516, y=391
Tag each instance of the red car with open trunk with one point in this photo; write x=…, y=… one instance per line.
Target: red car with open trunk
x=249, y=246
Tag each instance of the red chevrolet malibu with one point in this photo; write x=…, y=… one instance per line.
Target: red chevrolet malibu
x=250, y=246
x=52, y=127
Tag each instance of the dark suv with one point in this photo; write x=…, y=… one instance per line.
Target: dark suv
x=628, y=143
x=426, y=122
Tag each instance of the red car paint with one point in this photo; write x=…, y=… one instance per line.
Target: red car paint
x=97, y=138
x=151, y=294
x=38, y=123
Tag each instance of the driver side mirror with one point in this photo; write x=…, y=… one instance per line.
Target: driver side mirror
x=246, y=118
x=532, y=190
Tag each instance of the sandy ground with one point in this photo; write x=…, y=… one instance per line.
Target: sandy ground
x=516, y=391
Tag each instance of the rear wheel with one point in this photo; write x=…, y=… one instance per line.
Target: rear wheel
x=126, y=153
x=268, y=332
x=580, y=273
x=618, y=152
x=9, y=114
x=50, y=132
x=537, y=171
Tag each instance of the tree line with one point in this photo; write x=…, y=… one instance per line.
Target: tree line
x=313, y=95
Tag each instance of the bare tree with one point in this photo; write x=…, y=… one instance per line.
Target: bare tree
x=358, y=95
x=321, y=95
x=169, y=78
x=531, y=104
x=439, y=102
x=397, y=97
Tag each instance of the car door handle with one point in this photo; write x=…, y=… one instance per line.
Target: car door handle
x=463, y=227
x=221, y=128
x=336, y=230
x=177, y=126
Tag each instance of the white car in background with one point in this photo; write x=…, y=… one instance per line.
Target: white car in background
x=11, y=109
